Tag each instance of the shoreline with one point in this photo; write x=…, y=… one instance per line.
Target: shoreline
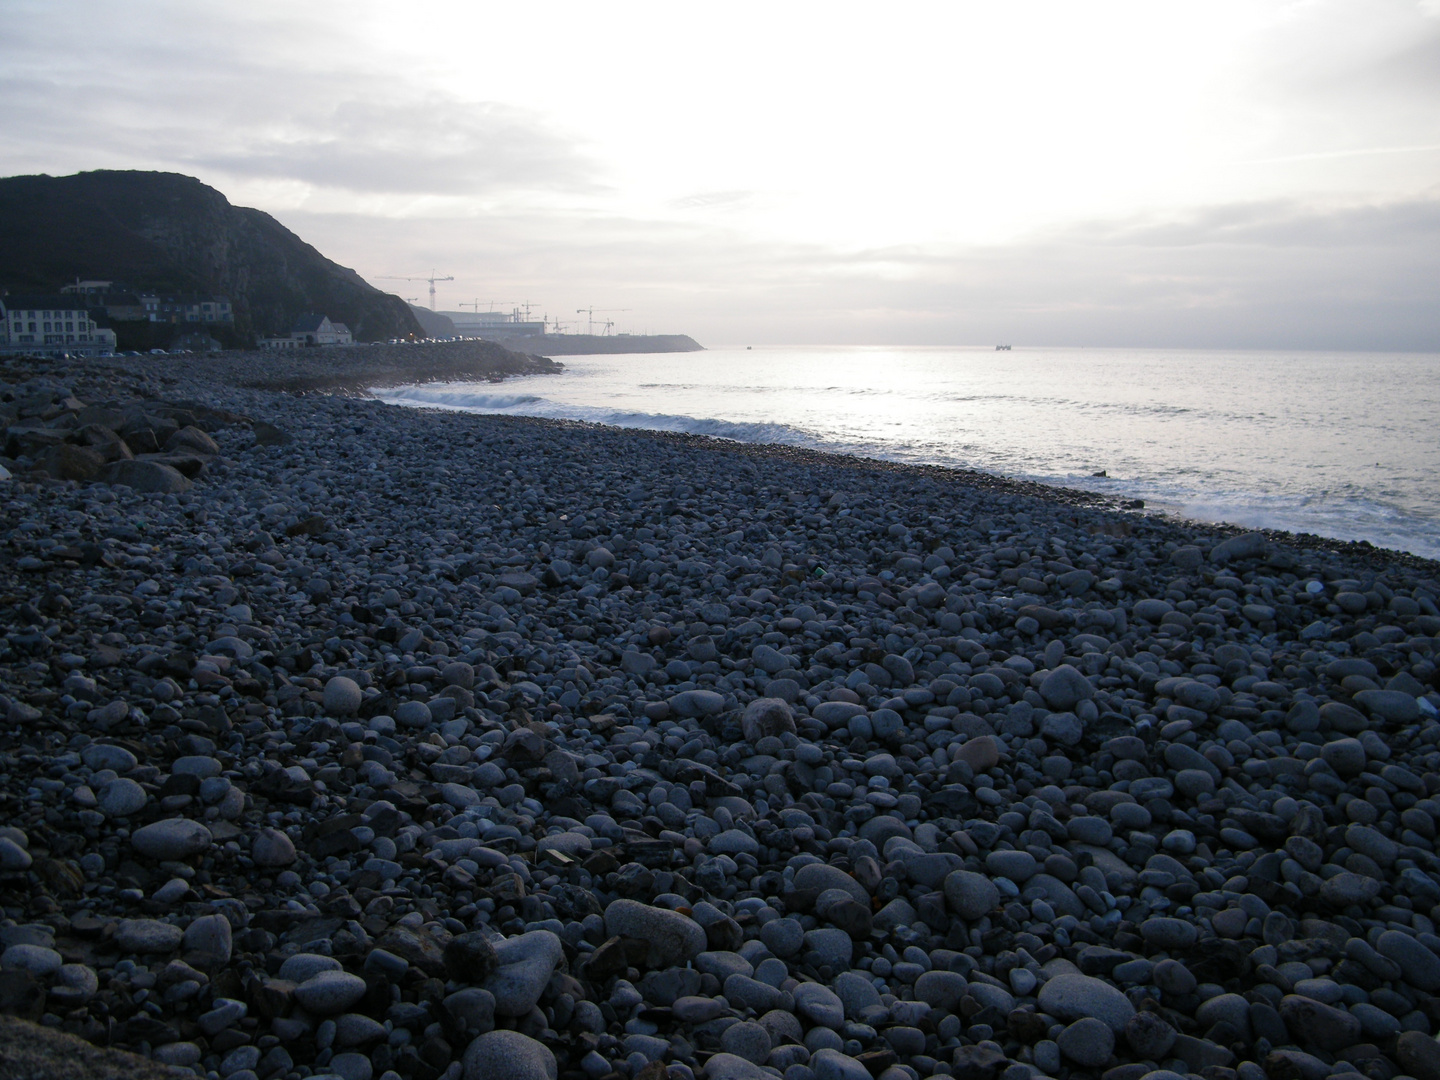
x=341, y=738
x=1353, y=549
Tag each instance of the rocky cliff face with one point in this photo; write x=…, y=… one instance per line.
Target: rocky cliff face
x=170, y=232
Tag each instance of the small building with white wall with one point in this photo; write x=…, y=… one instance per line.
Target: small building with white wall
x=310, y=330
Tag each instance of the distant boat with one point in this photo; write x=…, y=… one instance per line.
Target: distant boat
x=1002, y=348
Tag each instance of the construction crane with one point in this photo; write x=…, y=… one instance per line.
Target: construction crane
x=432, y=279
x=474, y=305
x=589, y=312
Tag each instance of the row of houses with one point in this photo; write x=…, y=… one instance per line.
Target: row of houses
x=50, y=323
x=123, y=303
x=76, y=319
x=130, y=305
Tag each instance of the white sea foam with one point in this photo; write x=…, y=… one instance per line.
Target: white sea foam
x=1338, y=444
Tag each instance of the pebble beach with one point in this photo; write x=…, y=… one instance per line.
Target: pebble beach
x=341, y=739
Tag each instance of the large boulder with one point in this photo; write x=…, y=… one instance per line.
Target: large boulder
x=171, y=839
x=524, y=965
x=972, y=895
x=1065, y=687
x=1250, y=546
x=508, y=1055
x=66, y=462
x=147, y=476
x=673, y=938
x=1073, y=997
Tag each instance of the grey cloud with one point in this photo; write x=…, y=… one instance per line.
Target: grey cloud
x=1410, y=69
x=1241, y=276
x=426, y=146
x=1275, y=223
x=231, y=104
x=708, y=199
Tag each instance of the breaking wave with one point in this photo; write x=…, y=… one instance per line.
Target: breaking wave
x=1218, y=437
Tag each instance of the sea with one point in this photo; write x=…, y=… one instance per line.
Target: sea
x=1343, y=445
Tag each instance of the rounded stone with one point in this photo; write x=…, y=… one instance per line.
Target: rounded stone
x=1018, y=866
x=1087, y=1042
x=78, y=981
x=302, y=966
x=13, y=857
x=673, y=937
x=458, y=673
x=121, y=798
x=1173, y=977
x=981, y=753
x=330, y=992
x=342, y=696
x=356, y=1029
x=728, y=1067
x=1194, y=783
x=1418, y=1054
x=523, y=966
x=1150, y=1036
x=38, y=960
x=147, y=936
x=1420, y=966
x=351, y=1066
x=272, y=848
x=1346, y=756
x=171, y=839
x=1229, y=1009
x=831, y=1064
x=765, y=717
x=819, y=1005
x=208, y=941
x=1064, y=688
x=508, y=1055
x=733, y=842
x=1313, y=1022
x=1072, y=996
x=415, y=714
x=202, y=765
x=970, y=894
x=941, y=990
x=1168, y=934
x=783, y=937
x=822, y=876
x=104, y=756
x=747, y=1040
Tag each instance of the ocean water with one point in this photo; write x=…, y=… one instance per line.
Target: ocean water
x=1343, y=445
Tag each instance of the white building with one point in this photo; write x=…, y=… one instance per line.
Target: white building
x=41, y=323
x=311, y=330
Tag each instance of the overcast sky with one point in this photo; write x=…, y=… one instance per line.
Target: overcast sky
x=1257, y=173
